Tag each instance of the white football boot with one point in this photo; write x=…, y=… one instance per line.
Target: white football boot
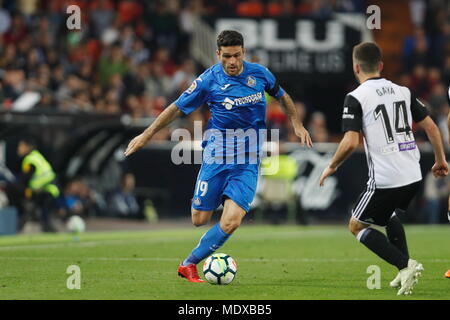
x=409, y=276
x=397, y=282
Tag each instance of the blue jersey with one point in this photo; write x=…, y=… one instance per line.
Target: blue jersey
x=235, y=102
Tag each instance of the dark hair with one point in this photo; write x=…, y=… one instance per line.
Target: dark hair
x=228, y=38
x=368, y=54
x=29, y=140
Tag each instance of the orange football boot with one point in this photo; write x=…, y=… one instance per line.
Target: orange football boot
x=189, y=272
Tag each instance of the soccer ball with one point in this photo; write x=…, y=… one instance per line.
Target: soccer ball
x=76, y=224
x=219, y=268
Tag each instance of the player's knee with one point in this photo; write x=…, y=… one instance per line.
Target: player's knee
x=198, y=223
x=355, y=227
x=199, y=218
x=229, y=226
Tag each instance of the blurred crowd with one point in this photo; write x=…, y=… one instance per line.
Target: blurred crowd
x=132, y=57
x=426, y=58
x=79, y=197
x=426, y=71
x=129, y=58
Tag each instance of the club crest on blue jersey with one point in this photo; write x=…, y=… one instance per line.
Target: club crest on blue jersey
x=197, y=201
x=192, y=87
x=251, y=81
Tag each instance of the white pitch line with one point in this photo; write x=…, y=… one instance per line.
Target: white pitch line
x=242, y=236
x=82, y=244
x=323, y=260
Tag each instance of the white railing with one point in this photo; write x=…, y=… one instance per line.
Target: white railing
x=203, y=43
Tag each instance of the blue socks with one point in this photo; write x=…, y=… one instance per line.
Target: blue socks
x=212, y=240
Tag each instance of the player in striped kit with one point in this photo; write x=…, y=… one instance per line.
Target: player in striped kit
x=383, y=112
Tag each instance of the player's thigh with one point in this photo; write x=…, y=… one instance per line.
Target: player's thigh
x=232, y=216
x=241, y=186
x=208, y=192
x=376, y=206
x=406, y=194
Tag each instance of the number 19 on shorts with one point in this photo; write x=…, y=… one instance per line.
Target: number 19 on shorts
x=202, y=187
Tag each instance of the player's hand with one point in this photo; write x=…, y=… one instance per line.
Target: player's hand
x=304, y=136
x=440, y=169
x=328, y=171
x=137, y=143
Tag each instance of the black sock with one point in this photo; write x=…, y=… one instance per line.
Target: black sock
x=378, y=243
x=396, y=234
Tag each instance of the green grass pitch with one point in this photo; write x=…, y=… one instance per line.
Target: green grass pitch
x=274, y=262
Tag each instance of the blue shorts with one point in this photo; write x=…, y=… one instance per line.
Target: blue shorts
x=216, y=182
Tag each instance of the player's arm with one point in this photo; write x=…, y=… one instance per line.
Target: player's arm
x=189, y=100
x=440, y=167
x=292, y=113
x=166, y=117
x=346, y=147
x=352, y=124
x=421, y=117
x=273, y=88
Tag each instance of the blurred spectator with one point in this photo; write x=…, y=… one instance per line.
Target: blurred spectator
x=69, y=203
x=14, y=83
x=35, y=184
x=159, y=83
x=417, y=11
x=419, y=82
x=192, y=10
x=274, y=8
x=164, y=23
x=446, y=71
x=112, y=63
x=435, y=194
x=128, y=11
x=122, y=202
x=415, y=49
x=9, y=56
x=79, y=199
x=138, y=53
x=133, y=107
x=162, y=57
x=17, y=32
x=315, y=8
x=183, y=78
x=101, y=15
x=5, y=19
x=250, y=8
x=317, y=127
x=135, y=81
x=437, y=98
x=349, y=5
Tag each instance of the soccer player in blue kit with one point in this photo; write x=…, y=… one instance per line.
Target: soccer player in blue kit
x=234, y=91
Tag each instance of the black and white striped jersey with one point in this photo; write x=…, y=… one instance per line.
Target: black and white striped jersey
x=383, y=112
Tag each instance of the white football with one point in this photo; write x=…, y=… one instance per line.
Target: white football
x=219, y=268
x=76, y=224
